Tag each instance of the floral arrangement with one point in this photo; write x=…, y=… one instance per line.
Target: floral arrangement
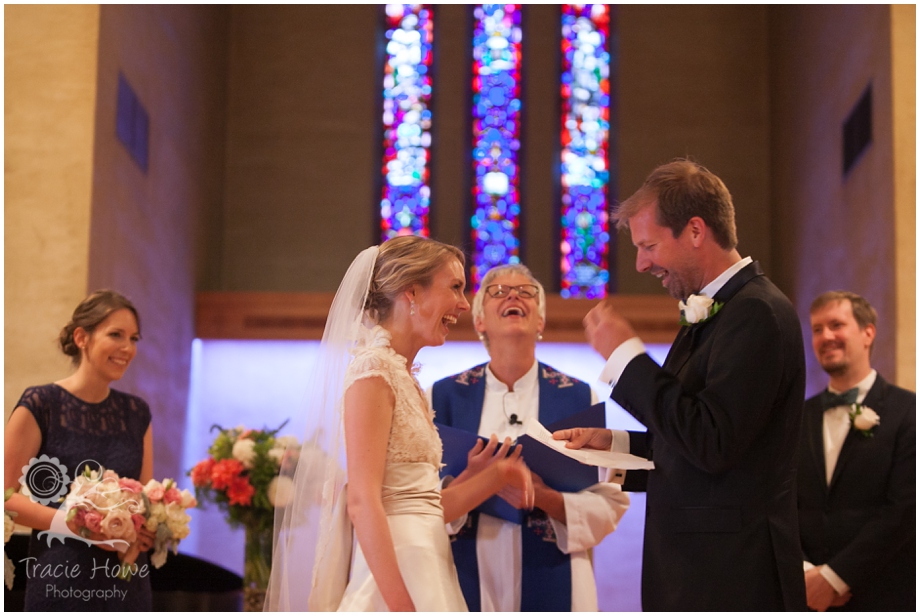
x=102, y=504
x=9, y=569
x=242, y=475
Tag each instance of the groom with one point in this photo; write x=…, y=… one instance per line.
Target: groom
x=723, y=414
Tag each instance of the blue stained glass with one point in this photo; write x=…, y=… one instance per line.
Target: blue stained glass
x=406, y=121
x=585, y=131
x=496, y=134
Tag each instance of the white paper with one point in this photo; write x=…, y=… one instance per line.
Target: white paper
x=592, y=457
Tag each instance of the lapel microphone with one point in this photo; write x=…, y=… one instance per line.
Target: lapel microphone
x=514, y=420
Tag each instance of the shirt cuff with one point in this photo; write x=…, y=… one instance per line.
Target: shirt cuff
x=834, y=580
x=618, y=360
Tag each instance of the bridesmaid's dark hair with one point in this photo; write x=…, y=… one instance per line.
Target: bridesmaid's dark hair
x=89, y=314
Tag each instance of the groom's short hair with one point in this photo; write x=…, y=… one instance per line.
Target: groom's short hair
x=684, y=189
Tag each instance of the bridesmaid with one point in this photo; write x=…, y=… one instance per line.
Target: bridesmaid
x=75, y=421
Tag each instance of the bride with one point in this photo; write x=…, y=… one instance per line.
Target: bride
x=394, y=300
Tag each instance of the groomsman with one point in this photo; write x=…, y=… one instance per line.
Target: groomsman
x=723, y=414
x=857, y=470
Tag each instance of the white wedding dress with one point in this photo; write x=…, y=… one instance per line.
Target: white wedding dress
x=411, y=492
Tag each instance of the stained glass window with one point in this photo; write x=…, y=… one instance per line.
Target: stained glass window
x=585, y=130
x=406, y=121
x=496, y=134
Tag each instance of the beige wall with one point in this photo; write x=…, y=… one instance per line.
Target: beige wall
x=904, y=127
x=831, y=231
x=301, y=146
x=149, y=229
x=50, y=106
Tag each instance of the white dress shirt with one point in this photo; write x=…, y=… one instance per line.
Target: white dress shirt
x=836, y=428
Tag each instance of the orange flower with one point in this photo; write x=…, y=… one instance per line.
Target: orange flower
x=224, y=472
x=240, y=491
x=201, y=474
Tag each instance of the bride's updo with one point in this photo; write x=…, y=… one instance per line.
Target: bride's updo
x=89, y=314
x=401, y=262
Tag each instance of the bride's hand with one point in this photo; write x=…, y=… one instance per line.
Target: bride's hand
x=482, y=455
x=518, y=490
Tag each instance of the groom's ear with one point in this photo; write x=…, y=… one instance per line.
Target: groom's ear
x=698, y=231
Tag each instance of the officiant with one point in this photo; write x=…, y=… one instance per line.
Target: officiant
x=545, y=560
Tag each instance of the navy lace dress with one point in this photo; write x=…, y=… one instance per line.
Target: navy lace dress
x=74, y=576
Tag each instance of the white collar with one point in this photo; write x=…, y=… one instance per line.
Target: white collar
x=863, y=386
x=528, y=380
x=716, y=285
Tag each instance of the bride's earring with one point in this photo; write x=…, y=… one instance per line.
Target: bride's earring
x=411, y=307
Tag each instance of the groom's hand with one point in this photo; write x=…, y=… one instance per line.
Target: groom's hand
x=606, y=329
x=585, y=438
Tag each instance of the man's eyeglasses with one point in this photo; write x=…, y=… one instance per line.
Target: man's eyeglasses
x=526, y=291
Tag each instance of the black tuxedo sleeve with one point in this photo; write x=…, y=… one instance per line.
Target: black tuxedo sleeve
x=727, y=392
x=887, y=531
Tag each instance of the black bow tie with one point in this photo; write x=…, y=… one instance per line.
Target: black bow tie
x=831, y=400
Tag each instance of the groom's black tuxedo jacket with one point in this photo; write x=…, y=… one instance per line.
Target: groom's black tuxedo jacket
x=723, y=418
x=863, y=525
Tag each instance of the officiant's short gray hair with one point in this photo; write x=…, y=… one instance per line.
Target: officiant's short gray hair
x=495, y=272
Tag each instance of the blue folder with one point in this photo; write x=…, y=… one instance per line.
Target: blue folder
x=558, y=471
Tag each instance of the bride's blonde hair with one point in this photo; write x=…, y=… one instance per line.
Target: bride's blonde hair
x=401, y=262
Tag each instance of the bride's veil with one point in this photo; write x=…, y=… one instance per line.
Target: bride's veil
x=305, y=542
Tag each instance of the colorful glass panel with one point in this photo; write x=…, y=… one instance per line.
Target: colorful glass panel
x=406, y=121
x=585, y=132
x=496, y=134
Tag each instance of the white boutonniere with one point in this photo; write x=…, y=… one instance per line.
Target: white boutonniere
x=864, y=419
x=698, y=309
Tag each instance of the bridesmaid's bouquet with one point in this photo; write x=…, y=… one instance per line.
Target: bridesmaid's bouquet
x=102, y=504
x=167, y=517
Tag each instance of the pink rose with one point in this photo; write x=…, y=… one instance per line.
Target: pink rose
x=172, y=495
x=110, y=475
x=138, y=521
x=131, y=485
x=155, y=491
x=93, y=521
x=79, y=517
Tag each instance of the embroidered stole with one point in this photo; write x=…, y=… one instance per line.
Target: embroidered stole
x=546, y=576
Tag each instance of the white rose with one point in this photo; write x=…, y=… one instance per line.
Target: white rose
x=866, y=419
x=188, y=500
x=280, y=491
x=244, y=451
x=177, y=520
x=276, y=454
x=283, y=442
x=157, y=515
x=696, y=309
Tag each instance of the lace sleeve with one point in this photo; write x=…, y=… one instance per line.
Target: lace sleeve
x=367, y=363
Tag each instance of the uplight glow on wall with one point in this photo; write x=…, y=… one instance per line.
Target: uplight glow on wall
x=406, y=121
x=496, y=137
x=585, y=133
